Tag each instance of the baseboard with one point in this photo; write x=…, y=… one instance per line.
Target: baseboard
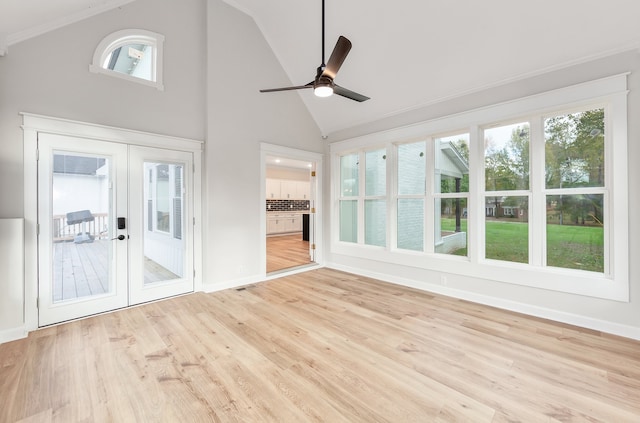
x=14, y=334
x=235, y=283
x=536, y=311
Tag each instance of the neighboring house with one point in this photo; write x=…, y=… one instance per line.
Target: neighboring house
x=501, y=207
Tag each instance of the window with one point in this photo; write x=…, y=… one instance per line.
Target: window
x=133, y=54
x=375, y=202
x=362, y=204
x=523, y=194
x=507, y=192
x=451, y=191
x=575, y=189
x=349, y=185
x=411, y=160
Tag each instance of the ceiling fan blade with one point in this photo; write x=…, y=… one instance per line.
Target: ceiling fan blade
x=299, y=87
x=339, y=53
x=349, y=94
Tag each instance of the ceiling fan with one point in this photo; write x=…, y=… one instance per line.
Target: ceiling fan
x=323, y=85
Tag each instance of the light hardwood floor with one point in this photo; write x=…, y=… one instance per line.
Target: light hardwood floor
x=286, y=251
x=320, y=346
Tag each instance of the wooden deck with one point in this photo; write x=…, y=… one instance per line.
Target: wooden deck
x=82, y=270
x=286, y=251
x=319, y=346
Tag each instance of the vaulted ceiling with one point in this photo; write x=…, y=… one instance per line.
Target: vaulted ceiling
x=406, y=53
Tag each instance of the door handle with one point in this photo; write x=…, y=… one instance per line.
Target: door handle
x=119, y=237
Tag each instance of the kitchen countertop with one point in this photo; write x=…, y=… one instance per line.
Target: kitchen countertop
x=274, y=212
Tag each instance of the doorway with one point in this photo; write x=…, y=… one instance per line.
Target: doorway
x=113, y=225
x=290, y=205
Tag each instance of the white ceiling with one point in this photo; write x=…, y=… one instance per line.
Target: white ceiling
x=406, y=53
x=24, y=19
x=410, y=53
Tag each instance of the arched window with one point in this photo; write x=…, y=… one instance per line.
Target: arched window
x=132, y=54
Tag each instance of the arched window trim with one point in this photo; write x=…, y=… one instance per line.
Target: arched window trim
x=122, y=38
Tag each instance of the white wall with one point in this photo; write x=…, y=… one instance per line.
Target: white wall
x=239, y=117
x=287, y=173
x=49, y=75
x=12, y=265
x=612, y=316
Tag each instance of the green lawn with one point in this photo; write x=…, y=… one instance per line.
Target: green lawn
x=572, y=247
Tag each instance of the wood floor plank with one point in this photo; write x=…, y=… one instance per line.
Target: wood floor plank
x=319, y=346
x=286, y=251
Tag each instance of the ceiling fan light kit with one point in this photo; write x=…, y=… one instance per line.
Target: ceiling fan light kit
x=323, y=85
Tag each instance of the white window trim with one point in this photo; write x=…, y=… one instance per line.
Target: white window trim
x=613, y=284
x=122, y=38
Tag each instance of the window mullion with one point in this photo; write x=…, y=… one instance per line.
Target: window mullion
x=475, y=215
x=392, y=197
x=429, y=199
x=537, y=200
x=361, y=196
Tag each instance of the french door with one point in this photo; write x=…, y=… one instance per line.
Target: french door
x=113, y=226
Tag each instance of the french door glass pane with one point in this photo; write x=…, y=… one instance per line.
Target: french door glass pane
x=507, y=228
x=575, y=231
x=411, y=224
x=375, y=218
x=81, y=216
x=506, y=157
x=164, y=248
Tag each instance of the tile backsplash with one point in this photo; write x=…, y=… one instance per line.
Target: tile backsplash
x=288, y=205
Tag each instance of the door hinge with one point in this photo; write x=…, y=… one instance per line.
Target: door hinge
x=313, y=173
x=37, y=154
x=194, y=273
x=38, y=302
x=194, y=221
x=313, y=246
x=313, y=210
x=37, y=229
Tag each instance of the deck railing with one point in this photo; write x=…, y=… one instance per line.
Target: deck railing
x=98, y=228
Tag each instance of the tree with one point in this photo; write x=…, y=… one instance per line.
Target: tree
x=574, y=157
x=507, y=165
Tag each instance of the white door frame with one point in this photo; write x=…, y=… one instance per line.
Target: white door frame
x=267, y=149
x=34, y=124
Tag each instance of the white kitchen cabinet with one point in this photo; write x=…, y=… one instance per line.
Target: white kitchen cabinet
x=274, y=225
x=288, y=190
x=293, y=223
x=303, y=190
x=284, y=189
x=284, y=223
x=273, y=189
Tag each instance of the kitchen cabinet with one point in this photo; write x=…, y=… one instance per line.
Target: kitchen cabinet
x=288, y=190
x=273, y=189
x=303, y=190
x=284, y=223
x=284, y=189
